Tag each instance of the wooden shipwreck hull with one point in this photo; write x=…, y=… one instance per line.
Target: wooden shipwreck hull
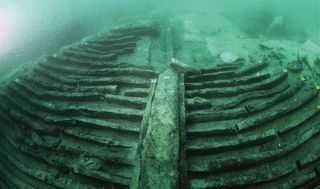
x=109, y=112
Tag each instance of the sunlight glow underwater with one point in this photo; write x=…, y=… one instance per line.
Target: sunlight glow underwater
x=8, y=29
x=5, y=38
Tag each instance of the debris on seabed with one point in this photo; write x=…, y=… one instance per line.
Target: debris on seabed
x=228, y=57
x=181, y=67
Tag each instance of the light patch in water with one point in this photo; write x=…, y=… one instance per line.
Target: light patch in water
x=5, y=30
x=11, y=20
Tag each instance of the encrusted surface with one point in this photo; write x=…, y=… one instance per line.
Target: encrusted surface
x=159, y=156
x=74, y=120
x=248, y=128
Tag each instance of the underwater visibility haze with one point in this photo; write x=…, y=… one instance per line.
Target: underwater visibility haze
x=164, y=94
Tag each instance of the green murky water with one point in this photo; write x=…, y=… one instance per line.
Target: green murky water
x=159, y=94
